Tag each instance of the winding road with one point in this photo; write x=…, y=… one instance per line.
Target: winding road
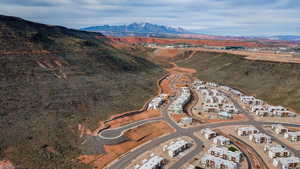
x=111, y=135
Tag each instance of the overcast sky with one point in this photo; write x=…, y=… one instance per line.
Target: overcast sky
x=218, y=17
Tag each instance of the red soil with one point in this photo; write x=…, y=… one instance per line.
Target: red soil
x=189, y=41
x=138, y=136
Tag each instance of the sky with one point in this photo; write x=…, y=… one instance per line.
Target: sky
x=215, y=17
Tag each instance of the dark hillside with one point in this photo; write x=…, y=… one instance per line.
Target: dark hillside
x=277, y=83
x=52, y=79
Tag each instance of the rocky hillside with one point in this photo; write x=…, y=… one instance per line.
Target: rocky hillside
x=54, y=78
x=278, y=83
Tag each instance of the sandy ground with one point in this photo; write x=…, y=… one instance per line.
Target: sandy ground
x=130, y=119
x=266, y=56
x=159, y=151
x=294, y=120
x=138, y=136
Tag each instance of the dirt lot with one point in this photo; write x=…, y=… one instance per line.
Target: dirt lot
x=130, y=119
x=138, y=136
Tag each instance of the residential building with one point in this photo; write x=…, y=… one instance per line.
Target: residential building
x=174, y=148
x=260, y=138
x=284, y=113
x=224, y=114
x=211, y=107
x=186, y=120
x=156, y=102
x=275, y=151
x=292, y=136
x=276, y=108
x=221, y=140
x=279, y=129
x=154, y=162
x=208, y=133
x=245, y=131
x=287, y=163
x=226, y=154
x=217, y=162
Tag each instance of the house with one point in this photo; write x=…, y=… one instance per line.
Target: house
x=212, y=84
x=156, y=102
x=236, y=92
x=224, y=114
x=217, y=162
x=285, y=113
x=260, y=138
x=275, y=151
x=154, y=162
x=276, y=108
x=221, y=140
x=279, y=129
x=258, y=108
x=179, y=103
x=292, y=136
x=263, y=113
x=251, y=100
x=211, y=107
x=226, y=154
x=174, y=148
x=209, y=99
x=208, y=133
x=186, y=120
x=287, y=163
x=204, y=92
x=245, y=131
x=229, y=108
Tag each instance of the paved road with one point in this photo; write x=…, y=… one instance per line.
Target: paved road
x=130, y=156
x=118, y=132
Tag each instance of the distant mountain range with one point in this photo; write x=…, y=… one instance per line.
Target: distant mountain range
x=138, y=29
x=154, y=30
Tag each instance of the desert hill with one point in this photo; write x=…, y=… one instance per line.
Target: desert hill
x=54, y=78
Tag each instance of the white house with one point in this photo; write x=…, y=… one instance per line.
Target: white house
x=244, y=131
x=260, y=138
x=174, y=148
x=287, y=163
x=153, y=163
x=208, y=133
x=226, y=154
x=251, y=100
x=284, y=113
x=225, y=115
x=258, y=108
x=279, y=129
x=217, y=162
x=229, y=108
x=276, y=108
x=211, y=107
x=221, y=140
x=275, y=151
x=263, y=113
x=156, y=102
x=186, y=120
x=178, y=104
x=292, y=136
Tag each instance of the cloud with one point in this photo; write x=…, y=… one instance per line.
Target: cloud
x=225, y=17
